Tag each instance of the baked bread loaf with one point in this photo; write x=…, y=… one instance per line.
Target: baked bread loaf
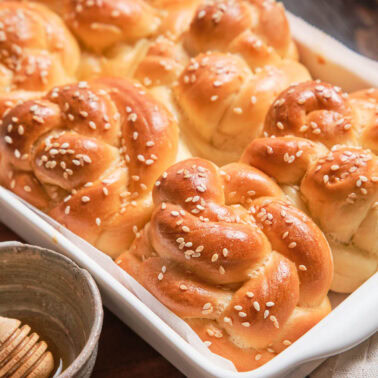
x=339, y=190
x=324, y=113
x=119, y=35
x=240, y=64
x=225, y=251
x=88, y=154
x=223, y=59
x=37, y=51
x=222, y=102
x=330, y=174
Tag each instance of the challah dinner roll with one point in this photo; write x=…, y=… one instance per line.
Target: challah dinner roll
x=88, y=154
x=37, y=51
x=248, y=271
x=258, y=30
x=222, y=102
x=322, y=112
x=339, y=188
x=117, y=35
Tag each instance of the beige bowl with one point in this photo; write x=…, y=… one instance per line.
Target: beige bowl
x=57, y=299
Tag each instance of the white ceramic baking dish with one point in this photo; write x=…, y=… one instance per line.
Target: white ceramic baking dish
x=351, y=322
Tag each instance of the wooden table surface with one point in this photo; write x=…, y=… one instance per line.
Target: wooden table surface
x=121, y=353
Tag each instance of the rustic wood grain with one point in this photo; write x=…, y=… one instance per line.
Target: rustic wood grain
x=121, y=352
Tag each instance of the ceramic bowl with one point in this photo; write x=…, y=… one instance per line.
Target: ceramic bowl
x=59, y=300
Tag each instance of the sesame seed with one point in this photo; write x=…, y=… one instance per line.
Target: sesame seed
x=258, y=356
x=238, y=308
x=266, y=314
x=249, y=294
x=280, y=125
x=242, y=314
x=98, y=221
x=201, y=13
x=206, y=306
x=292, y=245
x=214, y=257
x=274, y=320
x=269, y=304
x=27, y=188
x=285, y=234
x=246, y=324
x=132, y=117
x=221, y=270
x=214, y=98
x=8, y=139
x=325, y=179
x=256, y=305
x=85, y=199
x=302, y=267
x=160, y=276
x=286, y=342
x=185, y=228
x=183, y=287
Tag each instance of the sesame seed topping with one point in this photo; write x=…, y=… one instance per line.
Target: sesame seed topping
x=214, y=257
x=256, y=305
x=302, y=267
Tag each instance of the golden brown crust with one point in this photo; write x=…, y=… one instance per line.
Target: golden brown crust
x=339, y=188
x=100, y=142
x=314, y=110
x=223, y=103
x=239, y=268
x=218, y=24
x=36, y=49
x=285, y=159
x=100, y=25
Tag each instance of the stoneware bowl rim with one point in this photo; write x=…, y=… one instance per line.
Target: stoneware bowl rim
x=96, y=328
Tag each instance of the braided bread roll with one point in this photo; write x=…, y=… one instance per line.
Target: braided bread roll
x=188, y=48
x=339, y=190
x=37, y=51
x=120, y=35
x=324, y=113
x=88, y=154
x=339, y=187
x=223, y=250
